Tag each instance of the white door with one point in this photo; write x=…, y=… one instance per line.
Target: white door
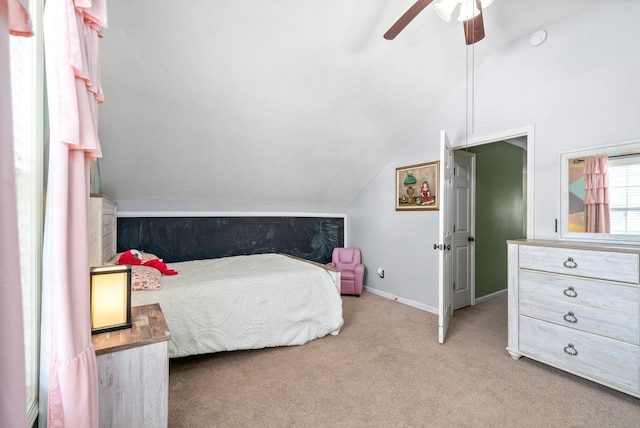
x=463, y=229
x=445, y=308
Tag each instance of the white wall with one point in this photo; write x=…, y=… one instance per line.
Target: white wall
x=580, y=88
x=152, y=206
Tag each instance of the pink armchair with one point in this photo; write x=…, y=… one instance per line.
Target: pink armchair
x=351, y=270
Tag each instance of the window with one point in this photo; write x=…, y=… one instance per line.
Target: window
x=624, y=194
x=27, y=74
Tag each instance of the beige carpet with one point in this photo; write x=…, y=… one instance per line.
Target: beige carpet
x=386, y=369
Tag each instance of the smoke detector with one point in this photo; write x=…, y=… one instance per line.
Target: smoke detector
x=538, y=38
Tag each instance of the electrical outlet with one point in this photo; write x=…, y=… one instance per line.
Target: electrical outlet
x=381, y=272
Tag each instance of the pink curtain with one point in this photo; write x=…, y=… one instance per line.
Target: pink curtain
x=596, y=198
x=14, y=19
x=71, y=32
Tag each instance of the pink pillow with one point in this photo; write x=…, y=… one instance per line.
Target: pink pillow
x=145, y=278
x=142, y=277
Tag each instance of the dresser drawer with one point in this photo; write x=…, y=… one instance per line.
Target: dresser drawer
x=603, y=308
x=595, y=357
x=613, y=266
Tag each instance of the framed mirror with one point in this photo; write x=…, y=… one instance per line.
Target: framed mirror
x=600, y=194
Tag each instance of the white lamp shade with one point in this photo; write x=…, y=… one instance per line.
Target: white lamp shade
x=445, y=8
x=468, y=8
x=110, y=298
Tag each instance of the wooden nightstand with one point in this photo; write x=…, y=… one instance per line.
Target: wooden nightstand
x=133, y=371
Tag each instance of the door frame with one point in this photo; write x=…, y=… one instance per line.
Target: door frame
x=529, y=133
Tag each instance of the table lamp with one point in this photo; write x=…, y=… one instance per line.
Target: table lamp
x=110, y=298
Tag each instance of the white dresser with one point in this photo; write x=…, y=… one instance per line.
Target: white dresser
x=102, y=224
x=133, y=371
x=575, y=306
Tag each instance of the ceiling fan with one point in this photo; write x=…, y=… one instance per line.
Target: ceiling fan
x=470, y=15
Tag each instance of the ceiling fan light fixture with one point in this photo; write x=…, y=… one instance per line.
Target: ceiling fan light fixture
x=445, y=8
x=470, y=14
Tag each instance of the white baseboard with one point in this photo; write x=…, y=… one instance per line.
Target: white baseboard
x=407, y=302
x=491, y=296
x=424, y=307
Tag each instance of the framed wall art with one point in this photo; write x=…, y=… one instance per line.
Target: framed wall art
x=417, y=187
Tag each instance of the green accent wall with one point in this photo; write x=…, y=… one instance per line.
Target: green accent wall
x=500, y=211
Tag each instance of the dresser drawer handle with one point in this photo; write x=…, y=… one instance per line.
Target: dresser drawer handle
x=569, y=263
x=570, y=317
x=570, y=292
x=569, y=349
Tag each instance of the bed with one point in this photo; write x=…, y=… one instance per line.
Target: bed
x=241, y=302
x=245, y=302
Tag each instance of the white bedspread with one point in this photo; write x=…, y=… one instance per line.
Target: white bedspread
x=245, y=302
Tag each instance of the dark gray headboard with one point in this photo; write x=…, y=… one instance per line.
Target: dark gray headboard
x=176, y=239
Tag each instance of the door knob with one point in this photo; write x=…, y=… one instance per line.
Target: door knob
x=471, y=239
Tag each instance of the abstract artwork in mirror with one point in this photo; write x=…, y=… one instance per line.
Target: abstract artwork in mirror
x=600, y=193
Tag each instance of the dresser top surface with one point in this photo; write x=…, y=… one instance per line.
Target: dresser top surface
x=147, y=326
x=577, y=245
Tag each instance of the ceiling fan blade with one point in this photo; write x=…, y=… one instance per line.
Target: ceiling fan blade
x=474, y=27
x=406, y=19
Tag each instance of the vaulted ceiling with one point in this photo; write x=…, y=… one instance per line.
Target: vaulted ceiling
x=278, y=103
